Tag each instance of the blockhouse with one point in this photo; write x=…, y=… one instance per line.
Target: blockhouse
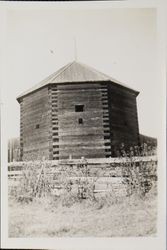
x=77, y=112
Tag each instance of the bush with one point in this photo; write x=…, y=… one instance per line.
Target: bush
x=34, y=183
x=74, y=185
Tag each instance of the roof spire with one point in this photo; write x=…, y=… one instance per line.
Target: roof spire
x=75, y=49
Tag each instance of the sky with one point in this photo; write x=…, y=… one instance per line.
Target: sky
x=121, y=43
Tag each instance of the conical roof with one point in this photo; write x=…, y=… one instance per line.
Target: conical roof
x=74, y=72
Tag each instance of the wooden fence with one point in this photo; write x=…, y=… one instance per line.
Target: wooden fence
x=107, y=174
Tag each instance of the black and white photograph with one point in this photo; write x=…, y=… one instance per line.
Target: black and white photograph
x=83, y=124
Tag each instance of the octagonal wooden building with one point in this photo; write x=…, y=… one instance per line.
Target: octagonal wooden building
x=77, y=112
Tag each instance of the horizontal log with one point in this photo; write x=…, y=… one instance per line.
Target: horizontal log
x=152, y=159
x=79, y=86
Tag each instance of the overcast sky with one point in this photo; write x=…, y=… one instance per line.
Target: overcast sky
x=118, y=42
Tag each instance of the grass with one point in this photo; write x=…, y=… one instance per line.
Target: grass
x=45, y=217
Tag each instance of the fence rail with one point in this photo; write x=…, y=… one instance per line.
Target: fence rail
x=55, y=166
x=107, y=174
x=94, y=161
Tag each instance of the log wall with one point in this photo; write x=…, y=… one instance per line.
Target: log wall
x=85, y=139
x=123, y=116
x=52, y=128
x=35, y=125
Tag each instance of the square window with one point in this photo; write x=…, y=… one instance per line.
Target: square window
x=79, y=108
x=80, y=121
x=37, y=126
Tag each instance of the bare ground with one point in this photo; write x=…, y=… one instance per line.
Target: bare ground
x=44, y=218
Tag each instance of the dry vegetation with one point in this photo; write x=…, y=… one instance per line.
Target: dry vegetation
x=34, y=211
x=104, y=217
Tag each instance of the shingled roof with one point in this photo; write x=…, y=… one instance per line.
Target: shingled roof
x=74, y=72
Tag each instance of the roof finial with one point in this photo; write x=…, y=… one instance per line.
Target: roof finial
x=75, y=49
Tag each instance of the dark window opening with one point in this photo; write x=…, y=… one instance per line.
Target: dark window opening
x=37, y=126
x=79, y=108
x=80, y=121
